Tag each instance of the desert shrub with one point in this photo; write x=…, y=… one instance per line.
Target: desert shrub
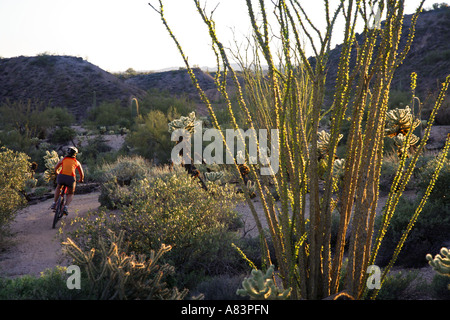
x=14, y=173
x=150, y=137
x=159, y=205
x=164, y=101
x=115, y=273
x=397, y=286
x=32, y=118
x=390, y=166
x=442, y=186
x=125, y=169
x=443, y=117
x=430, y=231
x=51, y=285
x=94, y=153
x=117, y=177
x=12, y=139
x=222, y=287
x=433, y=225
x=399, y=99
x=388, y=169
x=63, y=134
x=440, y=287
x=109, y=114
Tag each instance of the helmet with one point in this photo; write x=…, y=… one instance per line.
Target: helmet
x=72, y=151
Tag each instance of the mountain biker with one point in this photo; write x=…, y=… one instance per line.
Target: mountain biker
x=67, y=176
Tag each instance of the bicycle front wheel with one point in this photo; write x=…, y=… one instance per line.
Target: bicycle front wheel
x=58, y=211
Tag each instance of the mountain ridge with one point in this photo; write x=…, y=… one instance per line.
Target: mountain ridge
x=77, y=84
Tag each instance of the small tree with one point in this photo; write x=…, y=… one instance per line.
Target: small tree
x=15, y=170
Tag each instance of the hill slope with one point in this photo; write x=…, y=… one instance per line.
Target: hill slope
x=72, y=82
x=63, y=81
x=429, y=55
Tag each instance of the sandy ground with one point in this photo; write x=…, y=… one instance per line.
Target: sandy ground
x=35, y=246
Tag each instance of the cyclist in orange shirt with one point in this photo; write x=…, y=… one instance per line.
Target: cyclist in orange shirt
x=67, y=176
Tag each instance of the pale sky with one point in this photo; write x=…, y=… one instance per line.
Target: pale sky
x=120, y=34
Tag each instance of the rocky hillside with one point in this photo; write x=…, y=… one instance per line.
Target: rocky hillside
x=74, y=83
x=174, y=82
x=429, y=55
x=63, y=81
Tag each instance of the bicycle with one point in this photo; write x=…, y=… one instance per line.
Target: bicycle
x=59, y=208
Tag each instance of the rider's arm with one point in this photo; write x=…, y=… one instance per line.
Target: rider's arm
x=81, y=172
x=58, y=165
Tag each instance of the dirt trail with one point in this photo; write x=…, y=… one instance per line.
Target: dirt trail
x=35, y=246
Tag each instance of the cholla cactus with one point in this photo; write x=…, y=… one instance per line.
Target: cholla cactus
x=323, y=144
x=339, y=168
x=261, y=286
x=115, y=275
x=399, y=140
x=50, y=159
x=251, y=188
x=213, y=176
x=188, y=123
x=400, y=121
x=440, y=262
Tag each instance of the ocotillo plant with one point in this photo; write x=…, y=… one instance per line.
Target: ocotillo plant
x=290, y=96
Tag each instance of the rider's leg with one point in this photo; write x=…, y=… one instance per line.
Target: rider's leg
x=69, y=198
x=57, y=192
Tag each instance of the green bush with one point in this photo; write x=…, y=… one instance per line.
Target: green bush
x=165, y=102
x=428, y=234
x=110, y=114
x=396, y=287
x=32, y=118
x=441, y=189
x=94, y=149
x=51, y=285
x=150, y=137
x=14, y=173
x=63, y=134
x=125, y=169
x=158, y=205
x=440, y=287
